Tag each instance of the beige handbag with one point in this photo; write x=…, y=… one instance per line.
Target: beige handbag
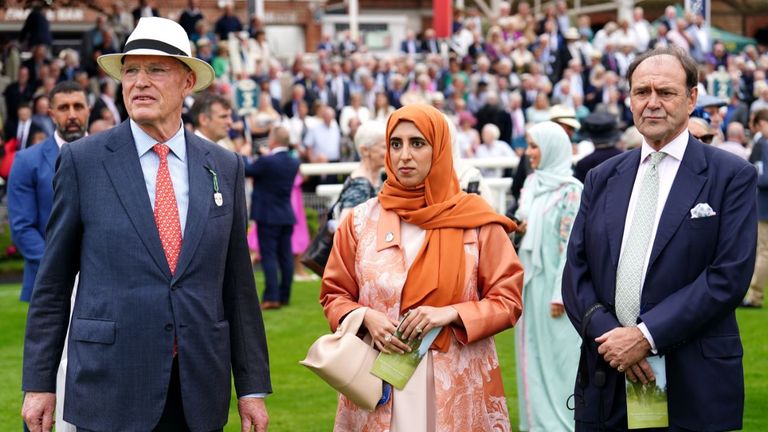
x=344, y=361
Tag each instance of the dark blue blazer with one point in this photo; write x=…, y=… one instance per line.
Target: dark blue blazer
x=760, y=154
x=273, y=177
x=600, y=155
x=30, y=196
x=347, y=90
x=404, y=48
x=129, y=306
x=698, y=272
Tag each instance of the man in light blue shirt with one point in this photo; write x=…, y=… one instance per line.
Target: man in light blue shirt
x=154, y=220
x=323, y=142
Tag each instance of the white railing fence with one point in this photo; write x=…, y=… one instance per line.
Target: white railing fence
x=328, y=193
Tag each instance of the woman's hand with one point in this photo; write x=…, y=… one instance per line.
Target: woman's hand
x=556, y=310
x=382, y=330
x=421, y=320
x=522, y=227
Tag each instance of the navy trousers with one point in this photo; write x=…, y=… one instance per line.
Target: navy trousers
x=172, y=419
x=275, y=248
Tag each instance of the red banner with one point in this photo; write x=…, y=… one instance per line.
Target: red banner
x=442, y=18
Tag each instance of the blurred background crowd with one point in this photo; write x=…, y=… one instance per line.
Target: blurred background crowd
x=494, y=74
x=506, y=70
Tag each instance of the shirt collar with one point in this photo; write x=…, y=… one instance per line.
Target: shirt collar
x=202, y=135
x=278, y=150
x=675, y=148
x=144, y=142
x=59, y=140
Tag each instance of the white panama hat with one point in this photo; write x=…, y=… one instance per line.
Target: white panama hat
x=565, y=115
x=159, y=37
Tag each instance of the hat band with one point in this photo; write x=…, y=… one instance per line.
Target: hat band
x=155, y=45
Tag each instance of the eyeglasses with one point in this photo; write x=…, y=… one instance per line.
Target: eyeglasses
x=706, y=138
x=153, y=72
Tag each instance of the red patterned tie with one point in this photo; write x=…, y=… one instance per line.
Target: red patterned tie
x=166, y=210
x=167, y=215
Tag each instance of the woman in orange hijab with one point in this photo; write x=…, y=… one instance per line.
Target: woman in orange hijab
x=425, y=253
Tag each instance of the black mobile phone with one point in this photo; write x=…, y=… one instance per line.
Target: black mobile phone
x=473, y=187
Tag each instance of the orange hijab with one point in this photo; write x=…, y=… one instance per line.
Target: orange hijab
x=439, y=206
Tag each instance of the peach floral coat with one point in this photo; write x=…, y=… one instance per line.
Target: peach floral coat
x=365, y=269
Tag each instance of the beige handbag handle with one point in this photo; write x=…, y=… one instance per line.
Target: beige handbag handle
x=352, y=321
x=344, y=362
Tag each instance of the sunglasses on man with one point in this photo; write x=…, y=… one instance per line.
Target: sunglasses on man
x=706, y=138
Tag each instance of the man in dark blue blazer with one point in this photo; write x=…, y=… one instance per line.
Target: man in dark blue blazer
x=154, y=220
x=30, y=183
x=691, y=273
x=340, y=86
x=273, y=176
x=410, y=45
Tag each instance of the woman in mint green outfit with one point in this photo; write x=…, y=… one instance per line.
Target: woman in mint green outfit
x=546, y=344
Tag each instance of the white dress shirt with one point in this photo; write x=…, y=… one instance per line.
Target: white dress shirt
x=496, y=149
x=337, y=85
x=110, y=103
x=325, y=140
x=221, y=143
x=59, y=140
x=642, y=34
x=735, y=148
x=667, y=169
x=22, y=133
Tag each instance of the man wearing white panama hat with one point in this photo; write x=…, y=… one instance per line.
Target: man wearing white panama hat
x=154, y=220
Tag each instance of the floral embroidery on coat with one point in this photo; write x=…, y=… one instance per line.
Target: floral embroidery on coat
x=469, y=394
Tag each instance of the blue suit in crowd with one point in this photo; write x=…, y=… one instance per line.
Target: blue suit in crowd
x=30, y=197
x=273, y=177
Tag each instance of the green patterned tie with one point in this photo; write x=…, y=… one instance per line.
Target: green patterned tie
x=630, y=272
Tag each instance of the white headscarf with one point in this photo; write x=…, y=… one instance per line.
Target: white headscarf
x=540, y=190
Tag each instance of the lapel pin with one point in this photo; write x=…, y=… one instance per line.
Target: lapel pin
x=217, y=197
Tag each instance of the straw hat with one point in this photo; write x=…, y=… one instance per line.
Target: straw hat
x=564, y=115
x=572, y=34
x=159, y=37
x=203, y=41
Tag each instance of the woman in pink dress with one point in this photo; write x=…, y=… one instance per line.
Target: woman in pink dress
x=300, y=237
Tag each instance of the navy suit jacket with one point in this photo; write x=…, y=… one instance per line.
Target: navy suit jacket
x=404, y=48
x=129, y=306
x=347, y=94
x=273, y=177
x=698, y=272
x=30, y=196
x=600, y=155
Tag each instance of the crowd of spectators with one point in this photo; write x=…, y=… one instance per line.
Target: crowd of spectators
x=492, y=77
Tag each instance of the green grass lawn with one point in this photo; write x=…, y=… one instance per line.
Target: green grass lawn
x=302, y=402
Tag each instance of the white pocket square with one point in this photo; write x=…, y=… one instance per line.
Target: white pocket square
x=702, y=210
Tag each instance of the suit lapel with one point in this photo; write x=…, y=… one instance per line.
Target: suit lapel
x=200, y=197
x=124, y=170
x=685, y=190
x=617, y=197
x=50, y=152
